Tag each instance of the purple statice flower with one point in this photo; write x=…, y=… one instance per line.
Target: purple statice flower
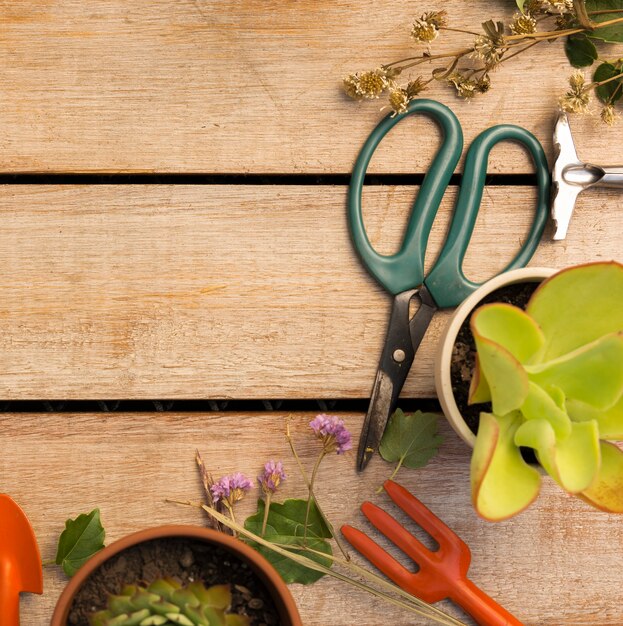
x=331, y=430
x=230, y=489
x=272, y=476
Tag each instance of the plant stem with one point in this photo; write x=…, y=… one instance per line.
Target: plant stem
x=582, y=15
x=460, y=30
x=510, y=56
x=555, y=34
x=266, y=510
x=614, y=93
x=311, y=493
x=325, y=519
x=603, y=82
x=393, y=475
x=416, y=605
x=429, y=57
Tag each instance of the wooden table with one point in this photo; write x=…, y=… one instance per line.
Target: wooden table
x=224, y=270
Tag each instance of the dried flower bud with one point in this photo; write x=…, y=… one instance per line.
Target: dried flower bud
x=369, y=84
x=576, y=100
x=415, y=87
x=392, y=72
x=230, y=489
x=560, y=6
x=426, y=28
x=483, y=84
x=523, y=24
x=489, y=50
x=398, y=100
x=272, y=476
x=333, y=433
x=465, y=87
x=534, y=7
x=350, y=87
x=608, y=116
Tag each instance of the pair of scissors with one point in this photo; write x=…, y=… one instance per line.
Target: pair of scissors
x=402, y=274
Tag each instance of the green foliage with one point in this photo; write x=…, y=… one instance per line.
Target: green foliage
x=286, y=527
x=554, y=376
x=612, y=91
x=167, y=603
x=80, y=540
x=410, y=439
x=580, y=50
x=520, y=4
x=612, y=33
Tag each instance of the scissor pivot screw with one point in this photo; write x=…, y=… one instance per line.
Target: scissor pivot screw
x=399, y=356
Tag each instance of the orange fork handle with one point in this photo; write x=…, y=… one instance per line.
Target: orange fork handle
x=485, y=610
x=9, y=596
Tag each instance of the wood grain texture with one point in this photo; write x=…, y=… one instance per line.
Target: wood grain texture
x=227, y=292
x=556, y=564
x=244, y=86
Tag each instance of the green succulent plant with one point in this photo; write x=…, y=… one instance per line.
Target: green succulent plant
x=554, y=377
x=167, y=603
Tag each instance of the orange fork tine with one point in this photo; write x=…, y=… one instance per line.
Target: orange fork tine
x=450, y=544
x=381, y=559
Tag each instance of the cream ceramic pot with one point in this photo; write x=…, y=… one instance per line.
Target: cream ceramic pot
x=443, y=360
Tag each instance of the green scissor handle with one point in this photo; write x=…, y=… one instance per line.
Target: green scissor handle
x=405, y=269
x=446, y=281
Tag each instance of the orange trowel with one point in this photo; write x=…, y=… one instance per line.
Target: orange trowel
x=20, y=561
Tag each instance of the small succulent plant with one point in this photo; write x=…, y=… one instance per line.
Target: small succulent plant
x=167, y=603
x=554, y=376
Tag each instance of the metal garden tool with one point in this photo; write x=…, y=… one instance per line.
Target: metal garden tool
x=442, y=573
x=20, y=561
x=571, y=176
x=402, y=274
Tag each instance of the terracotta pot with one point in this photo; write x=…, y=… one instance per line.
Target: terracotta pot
x=273, y=582
x=443, y=383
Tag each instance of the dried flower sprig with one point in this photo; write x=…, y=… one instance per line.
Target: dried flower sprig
x=270, y=479
x=229, y=490
x=468, y=70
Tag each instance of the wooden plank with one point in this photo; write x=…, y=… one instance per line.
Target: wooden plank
x=226, y=292
x=557, y=564
x=230, y=86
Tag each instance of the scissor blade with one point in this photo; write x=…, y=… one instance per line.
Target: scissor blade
x=376, y=419
x=403, y=339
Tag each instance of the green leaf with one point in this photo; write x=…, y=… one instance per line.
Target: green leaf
x=573, y=462
x=410, y=439
x=580, y=50
x=606, y=493
x=286, y=526
x=540, y=405
x=82, y=538
x=520, y=4
x=610, y=420
x=612, y=33
x=592, y=374
x=577, y=306
x=612, y=91
x=503, y=484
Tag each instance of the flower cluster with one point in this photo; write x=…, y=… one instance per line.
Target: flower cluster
x=576, y=100
x=230, y=489
x=272, y=476
x=468, y=70
x=331, y=430
x=426, y=28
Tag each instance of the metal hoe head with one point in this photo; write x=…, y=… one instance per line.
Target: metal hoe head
x=570, y=176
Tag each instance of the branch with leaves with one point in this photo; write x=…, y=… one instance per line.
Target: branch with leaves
x=468, y=70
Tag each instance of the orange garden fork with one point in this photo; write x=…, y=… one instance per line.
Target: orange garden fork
x=442, y=573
